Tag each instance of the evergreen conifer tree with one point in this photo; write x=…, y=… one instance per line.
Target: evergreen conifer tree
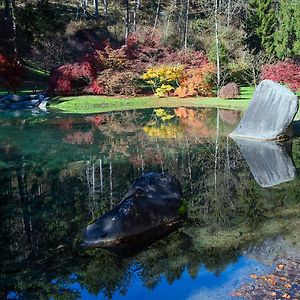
x=287, y=37
x=261, y=25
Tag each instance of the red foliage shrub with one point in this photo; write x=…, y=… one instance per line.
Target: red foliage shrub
x=11, y=73
x=118, y=82
x=190, y=59
x=72, y=78
x=230, y=91
x=285, y=72
x=113, y=71
x=94, y=88
x=196, y=82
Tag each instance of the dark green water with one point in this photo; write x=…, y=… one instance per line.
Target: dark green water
x=58, y=172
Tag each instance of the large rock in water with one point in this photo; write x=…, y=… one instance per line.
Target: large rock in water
x=269, y=114
x=269, y=161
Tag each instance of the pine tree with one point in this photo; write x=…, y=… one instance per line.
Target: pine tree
x=287, y=37
x=261, y=25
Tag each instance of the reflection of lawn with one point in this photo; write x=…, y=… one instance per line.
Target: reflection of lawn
x=94, y=104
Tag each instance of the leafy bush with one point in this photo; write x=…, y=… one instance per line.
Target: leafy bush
x=190, y=59
x=72, y=78
x=285, y=72
x=230, y=91
x=95, y=88
x=196, y=82
x=113, y=71
x=118, y=82
x=11, y=73
x=164, y=90
x=163, y=78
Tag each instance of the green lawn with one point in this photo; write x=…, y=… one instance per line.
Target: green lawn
x=96, y=104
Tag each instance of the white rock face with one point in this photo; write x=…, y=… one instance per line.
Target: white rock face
x=270, y=112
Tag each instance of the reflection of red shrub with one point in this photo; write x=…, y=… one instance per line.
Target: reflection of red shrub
x=96, y=120
x=11, y=73
x=285, y=72
x=80, y=137
x=66, y=124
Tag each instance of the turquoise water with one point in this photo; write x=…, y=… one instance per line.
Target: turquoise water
x=58, y=172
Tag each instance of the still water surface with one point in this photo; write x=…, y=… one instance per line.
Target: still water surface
x=59, y=172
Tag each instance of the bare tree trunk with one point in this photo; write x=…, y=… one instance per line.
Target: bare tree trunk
x=156, y=17
x=105, y=8
x=127, y=20
x=228, y=12
x=96, y=6
x=14, y=28
x=217, y=45
x=137, y=4
x=7, y=9
x=83, y=4
x=186, y=24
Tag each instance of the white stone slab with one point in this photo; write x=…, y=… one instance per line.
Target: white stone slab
x=270, y=112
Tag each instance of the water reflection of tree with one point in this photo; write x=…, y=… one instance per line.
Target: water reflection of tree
x=45, y=207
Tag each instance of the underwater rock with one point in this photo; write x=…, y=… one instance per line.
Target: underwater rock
x=270, y=112
x=153, y=201
x=269, y=161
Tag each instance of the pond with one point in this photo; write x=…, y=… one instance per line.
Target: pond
x=58, y=172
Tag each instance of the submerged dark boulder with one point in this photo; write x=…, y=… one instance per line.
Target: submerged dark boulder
x=269, y=114
x=153, y=201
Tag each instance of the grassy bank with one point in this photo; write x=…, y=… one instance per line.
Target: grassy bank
x=97, y=104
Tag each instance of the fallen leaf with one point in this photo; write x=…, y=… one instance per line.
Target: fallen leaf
x=283, y=279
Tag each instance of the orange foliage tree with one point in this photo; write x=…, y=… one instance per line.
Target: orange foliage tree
x=197, y=82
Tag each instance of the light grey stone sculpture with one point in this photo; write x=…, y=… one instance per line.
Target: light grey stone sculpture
x=269, y=161
x=270, y=112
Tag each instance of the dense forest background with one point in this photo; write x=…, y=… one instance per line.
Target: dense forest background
x=269, y=26
x=238, y=36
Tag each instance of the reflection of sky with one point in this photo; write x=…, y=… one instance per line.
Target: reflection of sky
x=205, y=286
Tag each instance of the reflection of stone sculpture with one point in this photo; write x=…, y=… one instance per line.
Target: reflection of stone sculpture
x=269, y=161
x=269, y=114
x=153, y=201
